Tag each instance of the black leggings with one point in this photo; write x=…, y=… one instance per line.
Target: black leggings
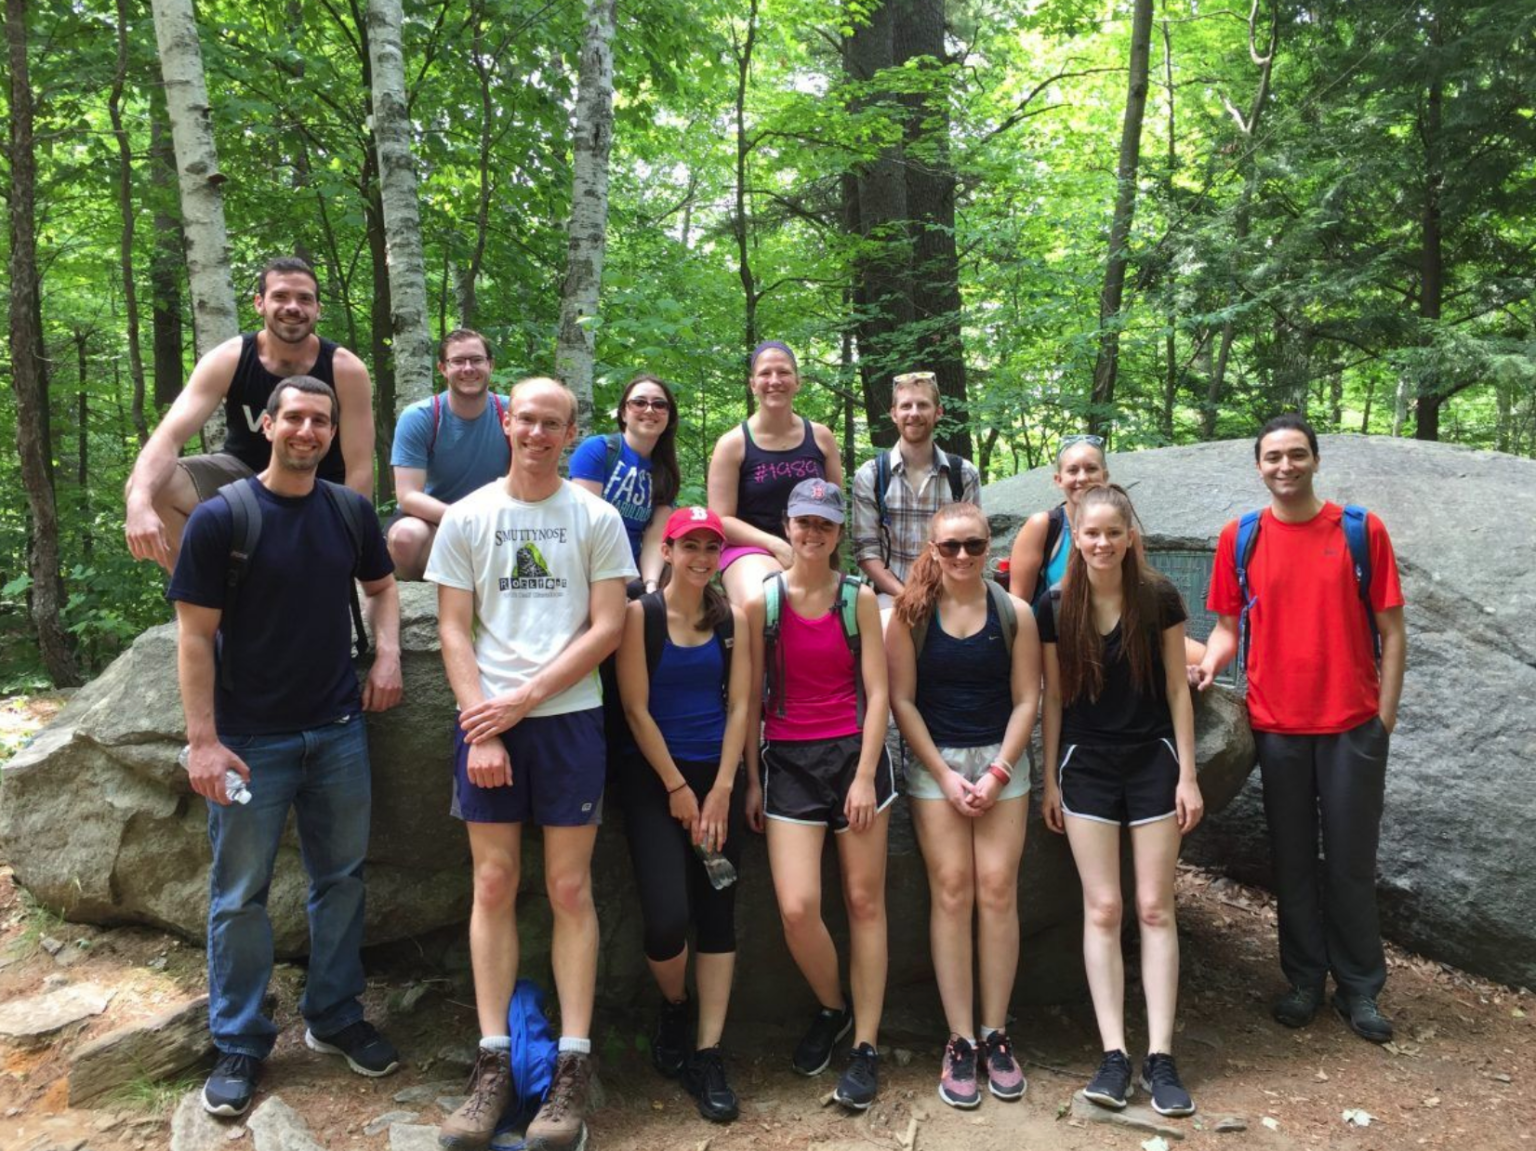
x=674, y=888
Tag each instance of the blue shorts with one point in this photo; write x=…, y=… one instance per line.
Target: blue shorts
x=559, y=763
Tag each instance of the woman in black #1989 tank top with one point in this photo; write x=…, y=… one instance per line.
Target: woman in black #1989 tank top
x=756, y=464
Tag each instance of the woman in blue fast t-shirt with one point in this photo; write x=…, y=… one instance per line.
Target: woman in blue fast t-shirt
x=642, y=483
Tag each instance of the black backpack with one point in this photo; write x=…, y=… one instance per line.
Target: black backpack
x=951, y=468
x=245, y=525
x=654, y=608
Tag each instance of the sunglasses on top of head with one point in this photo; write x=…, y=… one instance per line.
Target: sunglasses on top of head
x=974, y=546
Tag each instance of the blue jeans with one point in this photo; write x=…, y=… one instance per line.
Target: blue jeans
x=324, y=774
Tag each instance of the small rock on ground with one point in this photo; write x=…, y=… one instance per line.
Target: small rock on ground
x=276, y=1126
x=412, y=1137
x=1230, y=1123
x=1135, y=1116
x=193, y=1129
x=384, y=1122
x=31, y=1019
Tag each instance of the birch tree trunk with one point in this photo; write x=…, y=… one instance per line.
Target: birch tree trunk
x=214, y=319
x=588, y=236
x=28, y=367
x=402, y=219
x=128, y=212
x=1107, y=365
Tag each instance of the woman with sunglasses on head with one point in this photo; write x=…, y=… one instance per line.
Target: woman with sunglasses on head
x=965, y=685
x=816, y=646
x=685, y=682
x=1038, y=558
x=754, y=466
x=1119, y=735
x=636, y=469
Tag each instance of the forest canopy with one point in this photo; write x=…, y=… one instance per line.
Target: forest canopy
x=1164, y=222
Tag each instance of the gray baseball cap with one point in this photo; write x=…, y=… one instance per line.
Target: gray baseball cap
x=816, y=497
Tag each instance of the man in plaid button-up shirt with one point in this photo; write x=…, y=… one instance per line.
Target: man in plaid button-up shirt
x=919, y=485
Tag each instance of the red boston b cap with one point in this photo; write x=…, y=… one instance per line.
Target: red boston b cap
x=685, y=520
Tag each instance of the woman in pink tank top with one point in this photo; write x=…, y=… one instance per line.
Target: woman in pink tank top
x=824, y=766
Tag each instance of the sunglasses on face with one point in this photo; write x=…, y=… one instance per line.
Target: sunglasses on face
x=640, y=403
x=974, y=546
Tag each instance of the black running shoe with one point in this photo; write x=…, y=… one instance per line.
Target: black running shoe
x=1111, y=1085
x=365, y=1050
x=232, y=1085
x=704, y=1079
x=815, y=1050
x=1363, y=1016
x=669, y=1042
x=1160, y=1079
x=1297, y=1007
x=860, y=1080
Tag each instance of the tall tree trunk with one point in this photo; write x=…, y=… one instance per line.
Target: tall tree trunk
x=588, y=234
x=1432, y=260
x=165, y=264
x=83, y=441
x=743, y=52
x=125, y=208
x=380, y=307
x=930, y=177
x=397, y=193
x=1107, y=366
x=1247, y=128
x=876, y=215
x=469, y=277
x=28, y=367
x=1170, y=337
x=214, y=319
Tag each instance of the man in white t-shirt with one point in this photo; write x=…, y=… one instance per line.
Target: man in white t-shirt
x=530, y=572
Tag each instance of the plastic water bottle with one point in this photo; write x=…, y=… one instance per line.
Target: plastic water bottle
x=716, y=866
x=234, y=786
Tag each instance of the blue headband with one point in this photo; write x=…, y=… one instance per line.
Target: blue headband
x=767, y=345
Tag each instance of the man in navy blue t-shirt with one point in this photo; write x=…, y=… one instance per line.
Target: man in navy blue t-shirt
x=270, y=696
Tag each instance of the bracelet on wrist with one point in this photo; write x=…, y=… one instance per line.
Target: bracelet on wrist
x=1003, y=766
x=678, y=788
x=999, y=774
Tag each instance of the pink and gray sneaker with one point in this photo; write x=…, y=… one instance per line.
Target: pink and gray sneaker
x=957, y=1080
x=1004, y=1079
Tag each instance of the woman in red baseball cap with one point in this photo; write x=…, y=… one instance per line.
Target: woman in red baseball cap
x=685, y=685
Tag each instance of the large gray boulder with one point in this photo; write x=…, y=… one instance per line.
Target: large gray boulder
x=1458, y=862
x=97, y=821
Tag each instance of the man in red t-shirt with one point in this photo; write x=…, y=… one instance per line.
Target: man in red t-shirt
x=1322, y=713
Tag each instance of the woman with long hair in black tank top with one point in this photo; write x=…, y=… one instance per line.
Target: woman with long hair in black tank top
x=966, y=705
x=754, y=467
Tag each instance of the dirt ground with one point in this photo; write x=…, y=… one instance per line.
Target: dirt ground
x=1459, y=1076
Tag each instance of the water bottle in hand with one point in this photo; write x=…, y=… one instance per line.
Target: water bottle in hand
x=716, y=866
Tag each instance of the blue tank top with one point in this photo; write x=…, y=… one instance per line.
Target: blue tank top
x=685, y=701
x=767, y=478
x=965, y=686
x=1056, y=565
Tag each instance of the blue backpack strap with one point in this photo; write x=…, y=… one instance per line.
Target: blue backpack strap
x=437, y=418
x=532, y=1053
x=245, y=531
x=848, y=615
x=773, y=608
x=347, y=503
x=1357, y=534
x=1242, y=554
x=883, y=481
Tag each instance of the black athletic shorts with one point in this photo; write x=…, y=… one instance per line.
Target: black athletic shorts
x=807, y=780
x=1128, y=784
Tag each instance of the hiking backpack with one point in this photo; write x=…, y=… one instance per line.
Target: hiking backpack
x=1356, y=535
x=845, y=603
x=245, y=532
x=654, y=609
x=1006, y=614
x=1055, y=524
x=952, y=469
x=437, y=417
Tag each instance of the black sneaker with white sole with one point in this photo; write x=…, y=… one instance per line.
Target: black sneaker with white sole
x=860, y=1081
x=365, y=1050
x=232, y=1085
x=1160, y=1079
x=1111, y=1084
x=814, y=1052
x=669, y=1040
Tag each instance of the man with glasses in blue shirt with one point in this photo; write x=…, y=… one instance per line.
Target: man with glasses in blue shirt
x=445, y=447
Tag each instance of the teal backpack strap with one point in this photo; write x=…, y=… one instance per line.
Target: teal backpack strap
x=1006, y=614
x=773, y=671
x=848, y=614
x=1357, y=536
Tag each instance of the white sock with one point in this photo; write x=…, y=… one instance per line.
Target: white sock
x=578, y=1046
x=496, y=1043
x=988, y=1032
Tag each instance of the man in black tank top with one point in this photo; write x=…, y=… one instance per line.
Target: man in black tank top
x=241, y=373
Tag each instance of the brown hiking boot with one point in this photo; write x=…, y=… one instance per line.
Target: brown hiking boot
x=559, y=1125
x=490, y=1090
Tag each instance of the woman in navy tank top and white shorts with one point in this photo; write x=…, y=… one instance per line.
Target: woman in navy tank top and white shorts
x=966, y=706
x=756, y=464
